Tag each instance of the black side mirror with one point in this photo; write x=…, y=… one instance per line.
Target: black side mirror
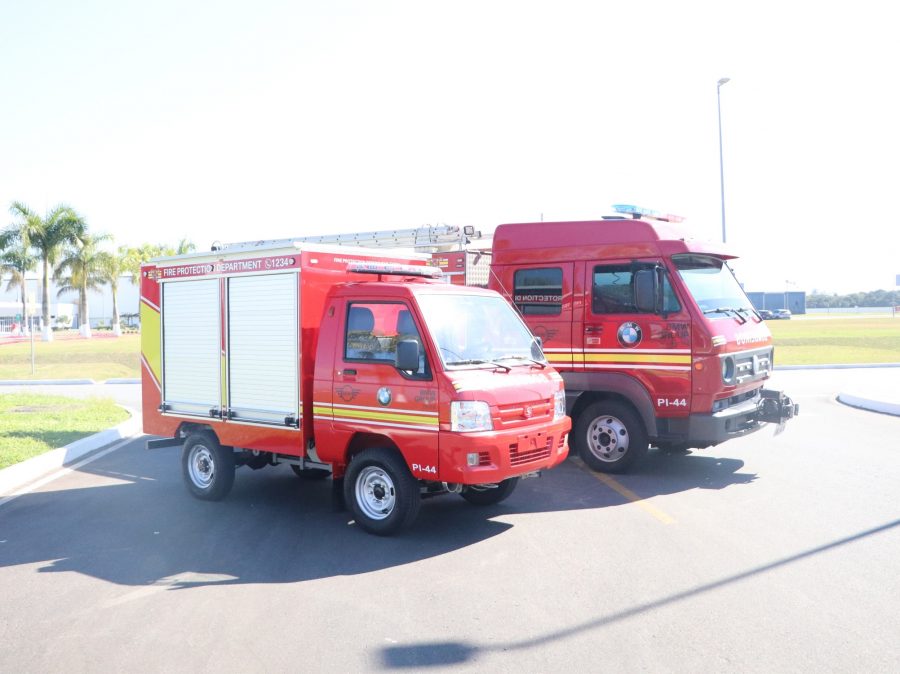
x=407, y=355
x=537, y=348
x=646, y=291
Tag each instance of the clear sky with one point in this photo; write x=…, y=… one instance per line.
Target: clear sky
x=244, y=120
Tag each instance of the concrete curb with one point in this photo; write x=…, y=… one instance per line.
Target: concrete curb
x=869, y=404
x=20, y=474
x=837, y=366
x=38, y=382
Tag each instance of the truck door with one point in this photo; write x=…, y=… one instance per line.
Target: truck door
x=371, y=395
x=543, y=294
x=654, y=348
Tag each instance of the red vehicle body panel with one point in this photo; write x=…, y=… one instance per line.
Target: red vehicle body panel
x=674, y=371
x=340, y=407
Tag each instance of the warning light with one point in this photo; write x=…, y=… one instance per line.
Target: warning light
x=640, y=212
x=362, y=267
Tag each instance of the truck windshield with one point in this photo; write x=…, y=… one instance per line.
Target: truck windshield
x=478, y=331
x=713, y=286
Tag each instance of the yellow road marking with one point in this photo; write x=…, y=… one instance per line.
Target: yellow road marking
x=626, y=493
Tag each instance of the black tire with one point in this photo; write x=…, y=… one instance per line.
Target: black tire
x=484, y=495
x=207, y=467
x=310, y=473
x=381, y=492
x=609, y=436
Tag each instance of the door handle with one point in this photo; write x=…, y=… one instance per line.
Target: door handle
x=592, y=329
x=352, y=373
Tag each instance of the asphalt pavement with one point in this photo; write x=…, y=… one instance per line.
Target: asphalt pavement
x=875, y=388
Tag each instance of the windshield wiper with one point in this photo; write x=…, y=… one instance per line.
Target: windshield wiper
x=530, y=360
x=477, y=361
x=728, y=310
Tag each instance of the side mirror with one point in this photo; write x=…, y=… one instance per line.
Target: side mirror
x=537, y=348
x=407, y=355
x=646, y=290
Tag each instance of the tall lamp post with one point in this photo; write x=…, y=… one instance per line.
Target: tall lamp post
x=719, y=84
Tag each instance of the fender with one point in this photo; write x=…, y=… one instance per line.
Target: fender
x=580, y=383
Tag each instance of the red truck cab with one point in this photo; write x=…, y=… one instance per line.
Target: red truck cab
x=346, y=363
x=654, y=337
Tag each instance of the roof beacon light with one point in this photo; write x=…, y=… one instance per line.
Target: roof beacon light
x=361, y=267
x=639, y=212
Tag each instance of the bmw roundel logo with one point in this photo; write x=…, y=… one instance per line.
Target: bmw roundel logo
x=629, y=334
x=384, y=395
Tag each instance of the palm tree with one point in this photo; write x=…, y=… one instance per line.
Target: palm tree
x=82, y=269
x=47, y=235
x=17, y=263
x=114, y=267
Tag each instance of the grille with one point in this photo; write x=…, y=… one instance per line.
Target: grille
x=513, y=416
x=484, y=458
x=517, y=458
x=752, y=365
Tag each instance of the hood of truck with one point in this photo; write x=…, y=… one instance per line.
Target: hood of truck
x=522, y=394
x=727, y=335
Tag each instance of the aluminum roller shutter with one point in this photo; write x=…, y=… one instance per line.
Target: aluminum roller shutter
x=262, y=348
x=191, y=346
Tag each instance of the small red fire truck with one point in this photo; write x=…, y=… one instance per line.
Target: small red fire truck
x=344, y=362
x=654, y=337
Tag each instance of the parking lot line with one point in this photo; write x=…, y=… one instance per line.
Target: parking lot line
x=626, y=493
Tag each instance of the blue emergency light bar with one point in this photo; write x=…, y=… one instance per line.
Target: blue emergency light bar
x=640, y=212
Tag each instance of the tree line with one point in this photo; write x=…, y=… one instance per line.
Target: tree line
x=61, y=244
x=873, y=298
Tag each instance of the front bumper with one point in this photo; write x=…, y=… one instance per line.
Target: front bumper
x=706, y=430
x=502, y=454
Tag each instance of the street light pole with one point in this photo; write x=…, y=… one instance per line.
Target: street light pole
x=719, y=84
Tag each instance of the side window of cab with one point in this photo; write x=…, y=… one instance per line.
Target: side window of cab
x=612, y=289
x=373, y=330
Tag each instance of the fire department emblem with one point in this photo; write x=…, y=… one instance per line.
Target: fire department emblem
x=384, y=395
x=629, y=334
x=347, y=393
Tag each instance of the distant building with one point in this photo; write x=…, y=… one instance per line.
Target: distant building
x=795, y=300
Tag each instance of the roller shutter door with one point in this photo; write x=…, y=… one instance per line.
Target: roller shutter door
x=191, y=346
x=263, y=348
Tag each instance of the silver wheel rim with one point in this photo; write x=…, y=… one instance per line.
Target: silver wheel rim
x=375, y=493
x=201, y=466
x=607, y=438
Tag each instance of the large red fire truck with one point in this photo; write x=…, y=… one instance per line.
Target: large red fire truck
x=349, y=363
x=655, y=339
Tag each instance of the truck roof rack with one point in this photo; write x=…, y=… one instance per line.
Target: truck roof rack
x=425, y=239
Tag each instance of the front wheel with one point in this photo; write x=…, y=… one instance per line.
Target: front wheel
x=489, y=494
x=381, y=492
x=609, y=436
x=207, y=467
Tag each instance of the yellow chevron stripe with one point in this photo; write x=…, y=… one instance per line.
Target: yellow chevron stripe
x=637, y=358
x=414, y=419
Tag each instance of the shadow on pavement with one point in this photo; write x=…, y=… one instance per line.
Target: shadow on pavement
x=137, y=525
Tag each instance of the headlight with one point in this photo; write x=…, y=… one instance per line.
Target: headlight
x=559, y=408
x=470, y=415
x=728, y=369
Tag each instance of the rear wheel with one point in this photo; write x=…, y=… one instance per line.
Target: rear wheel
x=381, y=492
x=609, y=436
x=489, y=494
x=207, y=467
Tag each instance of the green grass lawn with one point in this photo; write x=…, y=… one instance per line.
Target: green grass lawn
x=816, y=341
x=34, y=424
x=99, y=358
